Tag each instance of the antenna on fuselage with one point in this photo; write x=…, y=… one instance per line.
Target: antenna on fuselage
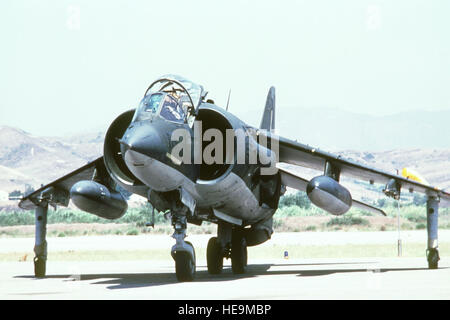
x=228, y=101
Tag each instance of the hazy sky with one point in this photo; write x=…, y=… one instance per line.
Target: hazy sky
x=69, y=66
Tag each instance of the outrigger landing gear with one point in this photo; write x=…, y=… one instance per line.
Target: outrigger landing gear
x=432, y=231
x=40, y=246
x=393, y=190
x=183, y=251
x=229, y=243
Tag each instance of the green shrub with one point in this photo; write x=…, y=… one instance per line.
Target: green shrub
x=278, y=223
x=348, y=220
x=132, y=232
x=299, y=199
x=14, y=218
x=415, y=217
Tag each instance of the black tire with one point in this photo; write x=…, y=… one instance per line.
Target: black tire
x=214, y=256
x=238, y=253
x=39, y=267
x=185, y=265
x=433, y=258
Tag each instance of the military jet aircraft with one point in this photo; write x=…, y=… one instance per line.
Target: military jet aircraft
x=197, y=162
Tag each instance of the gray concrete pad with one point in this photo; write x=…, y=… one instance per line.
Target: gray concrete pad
x=368, y=278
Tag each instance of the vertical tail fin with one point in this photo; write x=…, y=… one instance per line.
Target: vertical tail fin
x=268, y=119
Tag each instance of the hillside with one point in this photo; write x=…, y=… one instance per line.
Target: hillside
x=28, y=159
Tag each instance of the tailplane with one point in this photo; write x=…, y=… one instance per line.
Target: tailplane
x=268, y=119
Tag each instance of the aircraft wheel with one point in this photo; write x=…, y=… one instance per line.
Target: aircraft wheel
x=433, y=258
x=238, y=253
x=214, y=256
x=185, y=265
x=39, y=267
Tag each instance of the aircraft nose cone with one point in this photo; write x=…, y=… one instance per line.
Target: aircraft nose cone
x=143, y=140
x=145, y=152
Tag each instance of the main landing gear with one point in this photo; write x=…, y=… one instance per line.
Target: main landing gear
x=229, y=243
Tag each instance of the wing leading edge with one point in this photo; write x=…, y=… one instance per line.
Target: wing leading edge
x=303, y=155
x=57, y=192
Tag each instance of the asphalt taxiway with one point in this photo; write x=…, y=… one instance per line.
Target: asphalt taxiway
x=368, y=278
x=293, y=278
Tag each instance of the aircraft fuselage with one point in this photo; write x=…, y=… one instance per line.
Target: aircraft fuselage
x=230, y=187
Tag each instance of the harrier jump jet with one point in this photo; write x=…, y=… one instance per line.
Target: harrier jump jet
x=197, y=162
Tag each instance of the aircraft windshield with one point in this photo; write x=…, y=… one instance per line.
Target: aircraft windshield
x=151, y=103
x=148, y=107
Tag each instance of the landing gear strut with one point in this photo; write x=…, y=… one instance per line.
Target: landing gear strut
x=183, y=251
x=40, y=246
x=432, y=231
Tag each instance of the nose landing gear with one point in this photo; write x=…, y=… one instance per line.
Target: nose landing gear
x=182, y=252
x=185, y=263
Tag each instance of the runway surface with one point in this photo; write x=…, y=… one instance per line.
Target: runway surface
x=399, y=278
x=349, y=278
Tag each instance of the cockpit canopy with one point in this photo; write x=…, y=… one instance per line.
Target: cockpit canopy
x=174, y=98
x=161, y=103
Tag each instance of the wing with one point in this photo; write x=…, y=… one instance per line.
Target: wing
x=293, y=181
x=303, y=155
x=57, y=192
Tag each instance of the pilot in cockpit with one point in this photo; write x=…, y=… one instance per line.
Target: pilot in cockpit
x=171, y=109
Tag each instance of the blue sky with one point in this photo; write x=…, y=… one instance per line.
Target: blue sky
x=71, y=66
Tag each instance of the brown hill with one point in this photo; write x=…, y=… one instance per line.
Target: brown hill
x=27, y=159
